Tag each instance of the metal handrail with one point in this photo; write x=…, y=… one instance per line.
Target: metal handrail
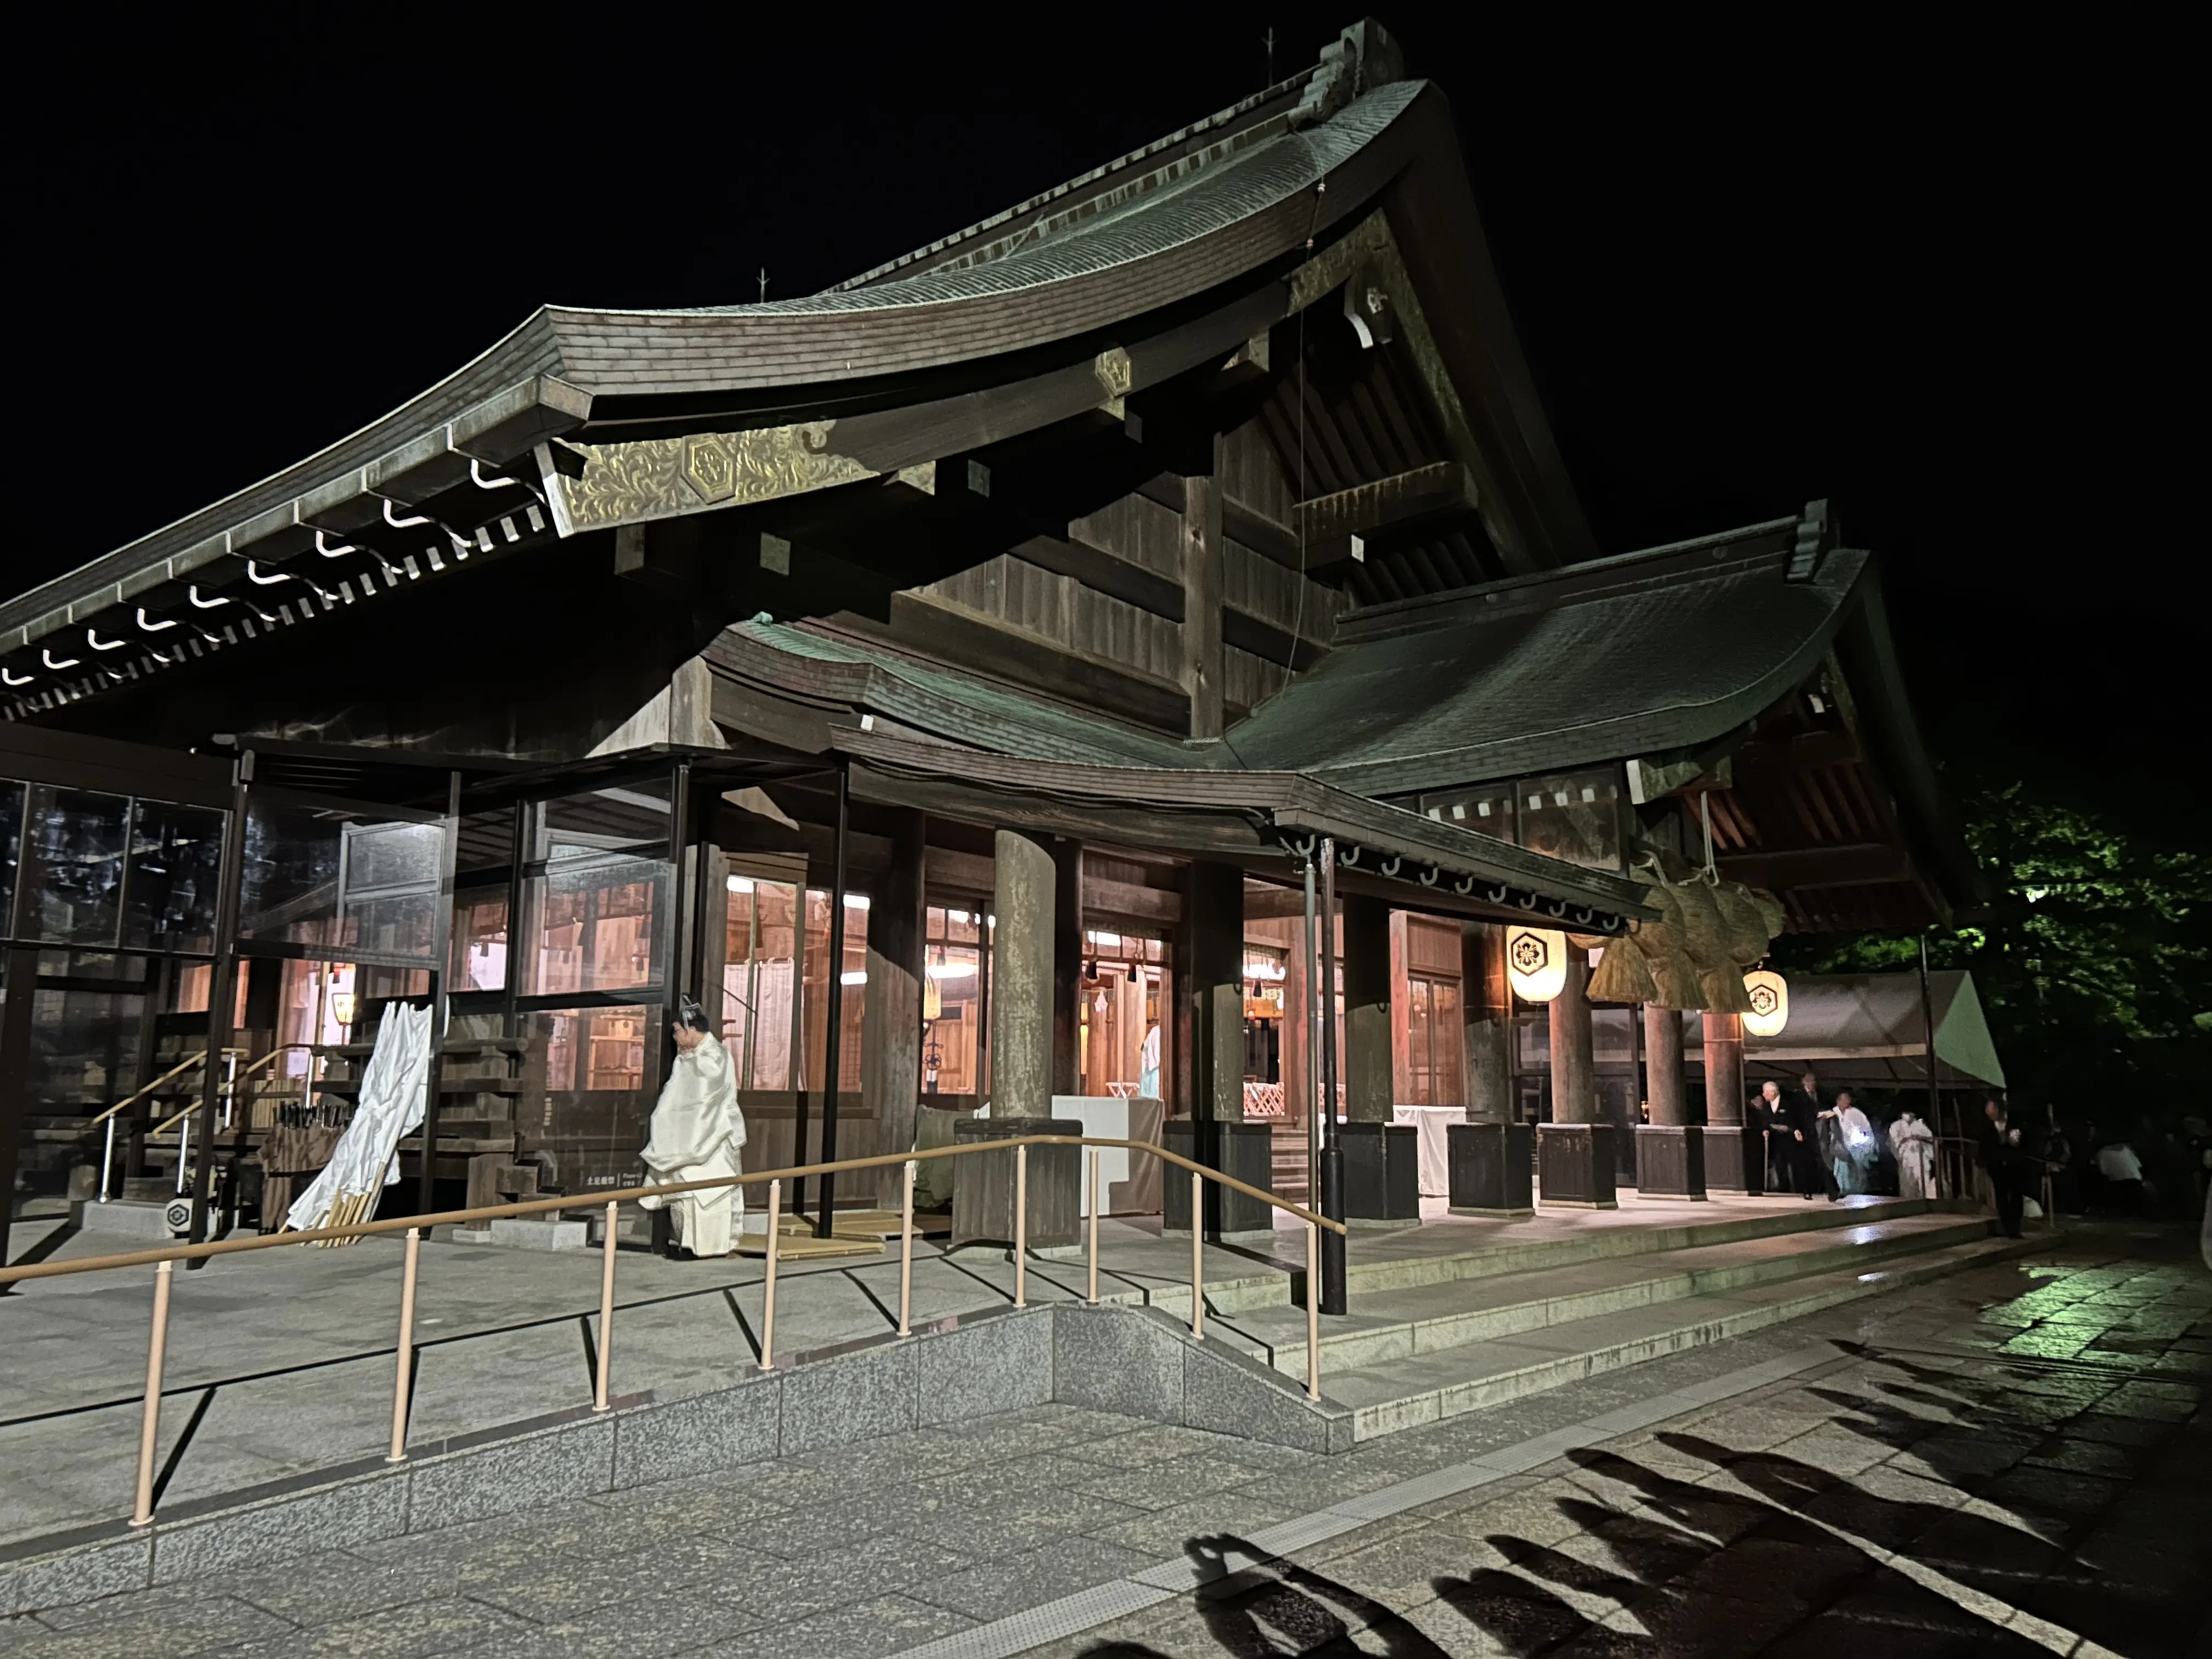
x=230, y=1084
x=571, y=1201
x=136, y=1095
x=165, y=1260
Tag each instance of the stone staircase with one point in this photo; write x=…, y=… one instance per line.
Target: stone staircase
x=1432, y=1336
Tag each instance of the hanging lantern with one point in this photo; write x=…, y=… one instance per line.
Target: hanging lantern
x=342, y=1007
x=1770, y=1003
x=1536, y=961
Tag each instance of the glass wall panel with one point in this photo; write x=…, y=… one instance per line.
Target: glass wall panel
x=1434, y=1042
x=1122, y=996
x=598, y=924
x=760, y=971
x=72, y=865
x=170, y=891
x=480, y=940
x=952, y=999
x=288, y=885
x=852, y=989
x=594, y=1117
x=332, y=880
x=602, y=820
x=11, y=848
x=84, y=1050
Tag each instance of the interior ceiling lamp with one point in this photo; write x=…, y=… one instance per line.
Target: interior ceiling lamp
x=1770, y=1003
x=1536, y=961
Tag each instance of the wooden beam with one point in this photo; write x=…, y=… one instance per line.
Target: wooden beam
x=1856, y=864
x=1127, y=899
x=1202, y=656
x=1444, y=487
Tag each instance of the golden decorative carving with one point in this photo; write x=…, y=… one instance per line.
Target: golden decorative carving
x=665, y=478
x=1116, y=375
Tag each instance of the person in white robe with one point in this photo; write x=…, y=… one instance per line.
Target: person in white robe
x=698, y=1133
x=1914, y=1144
x=1855, y=1145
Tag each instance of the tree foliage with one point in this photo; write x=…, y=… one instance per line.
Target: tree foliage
x=2092, y=957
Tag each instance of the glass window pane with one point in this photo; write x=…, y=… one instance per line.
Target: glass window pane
x=11, y=848
x=176, y=865
x=480, y=941
x=757, y=979
x=852, y=989
x=72, y=865
x=951, y=998
x=289, y=884
x=594, y=1115
x=597, y=925
x=602, y=820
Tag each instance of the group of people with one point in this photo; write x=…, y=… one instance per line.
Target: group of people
x=1817, y=1147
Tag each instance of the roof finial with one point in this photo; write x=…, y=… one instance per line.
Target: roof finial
x=763, y=282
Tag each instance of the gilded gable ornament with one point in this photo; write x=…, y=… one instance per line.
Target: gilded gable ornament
x=666, y=478
x=1116, y=375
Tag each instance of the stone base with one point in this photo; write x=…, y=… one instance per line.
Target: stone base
x=1575, y=1166
x=1245, y=1151
x=522, y=1233
x=983, y=1196
x=1491, y=1169
x=1381, y=1172
x=1735, y=1159
x=1670, y=1161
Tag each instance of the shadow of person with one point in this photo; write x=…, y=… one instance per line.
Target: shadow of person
x=1273, y=1608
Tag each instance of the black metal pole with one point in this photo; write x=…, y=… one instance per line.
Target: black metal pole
x=1332, y=1150
x=22, y=990
x=831, y=1057
x=1934, y=1097
x=442, y=985
x=221, y=995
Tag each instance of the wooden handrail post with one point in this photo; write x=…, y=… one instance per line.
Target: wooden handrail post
x=1095, y=1201
x=1313, y=1311
x=606, y=1312
x=1021, y=1225
x=768, y=1292
x=1197, y=1254
x=905, y=1252
x=403, y=1378
x=149, y=1427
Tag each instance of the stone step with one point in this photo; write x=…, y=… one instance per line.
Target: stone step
x=1389, y=1325
x=1403, y=1393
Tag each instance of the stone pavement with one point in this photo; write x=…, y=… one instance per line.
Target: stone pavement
x=280, y=1361
x=2014, y=1459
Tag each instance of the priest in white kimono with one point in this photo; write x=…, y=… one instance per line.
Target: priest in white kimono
x=1914, y=1143
x=697, y=1134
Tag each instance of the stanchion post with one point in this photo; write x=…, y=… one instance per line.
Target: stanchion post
x=768, y=1290
x=402, y=1376
x=1197, y=1254
x=1313, y=1311
x=107, y=1158
x=905, y=1252
x=606, y=1313
x=1095, y=1198
x=1021, y=1225
x=149, y=1428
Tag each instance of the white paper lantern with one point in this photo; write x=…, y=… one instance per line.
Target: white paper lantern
x=1770, y=1003
x=1536, y=961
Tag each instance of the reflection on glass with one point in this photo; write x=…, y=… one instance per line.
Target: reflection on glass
x=11, y=848
x=602, y=820
x=480, y=942
x=852, y=989
x=288, y=885
x=1434, y=1042
x=176, y=866
x=84, y=1048
x=72, y=865
x=760, y=960
x=597, y=924
x=952, y=999
x=331, y=880
x=594, y=1117
x=1120, y=1012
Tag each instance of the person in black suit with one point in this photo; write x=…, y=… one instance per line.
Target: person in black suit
x=1769, y=1114
x=1812, y=1170
x=2003, y=1160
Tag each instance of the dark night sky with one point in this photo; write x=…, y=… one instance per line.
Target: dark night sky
x=1909, y=275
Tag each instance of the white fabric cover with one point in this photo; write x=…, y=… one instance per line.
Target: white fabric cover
x=697, y=1134
x=1434, y=1156
x=389, y=1108
x=1914, y=1143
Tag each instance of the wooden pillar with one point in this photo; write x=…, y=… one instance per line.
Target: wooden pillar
x=1202, y=655
x=890, y=1023
x=1724, y=1069
x=1574, y=1082
x=1022, y=976
x=1367, y=1070
x=1402, y=1013
x=1486, y=1007
x=1663, y=1050
x=1066, y=966
x=1213, y=990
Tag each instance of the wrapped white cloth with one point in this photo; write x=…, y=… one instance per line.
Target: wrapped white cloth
x=1914, y=1143
x=697, y=1134
x=390, y=1107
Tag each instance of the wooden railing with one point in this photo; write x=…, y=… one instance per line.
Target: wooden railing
x=163, y=1261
